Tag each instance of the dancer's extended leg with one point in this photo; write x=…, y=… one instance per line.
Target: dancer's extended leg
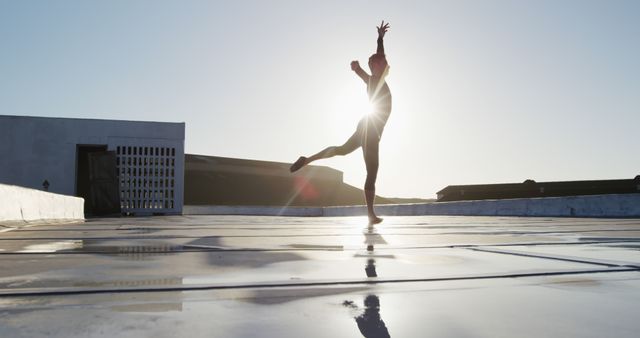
x=352, y=144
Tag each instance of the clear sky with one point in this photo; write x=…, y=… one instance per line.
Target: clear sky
x=484, y=91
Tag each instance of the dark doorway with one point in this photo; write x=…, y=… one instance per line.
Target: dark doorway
x=97, y=180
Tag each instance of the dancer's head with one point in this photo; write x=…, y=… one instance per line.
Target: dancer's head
x=378, y=64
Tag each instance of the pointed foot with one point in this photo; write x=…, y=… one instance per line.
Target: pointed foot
x=298, y=164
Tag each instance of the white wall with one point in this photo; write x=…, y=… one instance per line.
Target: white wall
x=614, y=205
x=619, y=205
x=37, y=148
x=20, y=205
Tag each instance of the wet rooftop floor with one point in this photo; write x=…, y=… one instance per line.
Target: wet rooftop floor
x=236, y=276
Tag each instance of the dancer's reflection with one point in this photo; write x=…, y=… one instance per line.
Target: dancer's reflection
x=369, y=321
x=370, y=268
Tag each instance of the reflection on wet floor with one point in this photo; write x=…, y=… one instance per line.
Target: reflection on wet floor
x=123, y=282
x=99, y=246
x=371, y=238
x=273, y=275
x=148, y=307
x=252, y=260
x=125, y=250
x=140, y=283
x=219, y=260
x=284, y=295
x=369, y=322
x=370, y=268
x=54, y=246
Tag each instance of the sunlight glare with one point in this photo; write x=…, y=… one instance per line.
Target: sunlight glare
x=350, y=106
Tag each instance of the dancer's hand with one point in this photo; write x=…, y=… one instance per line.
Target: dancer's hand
x=355, y=65
x=382, y=29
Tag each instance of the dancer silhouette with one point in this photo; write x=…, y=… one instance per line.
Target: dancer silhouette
x=370, y=127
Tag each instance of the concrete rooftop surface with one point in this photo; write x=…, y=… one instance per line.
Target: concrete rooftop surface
x=242, y=276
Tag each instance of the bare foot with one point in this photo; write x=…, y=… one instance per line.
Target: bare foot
x=374, y=220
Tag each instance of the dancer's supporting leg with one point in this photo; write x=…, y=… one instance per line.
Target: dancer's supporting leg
x=348, y=147
x=370, y=151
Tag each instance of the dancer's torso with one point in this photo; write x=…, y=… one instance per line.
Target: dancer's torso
x=372, y=125
x=380, y=98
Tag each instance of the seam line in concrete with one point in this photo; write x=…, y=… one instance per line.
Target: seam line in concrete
x=256, y=286
x=523, y=254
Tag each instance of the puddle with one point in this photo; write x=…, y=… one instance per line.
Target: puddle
x=285, y=295
x=53, y=246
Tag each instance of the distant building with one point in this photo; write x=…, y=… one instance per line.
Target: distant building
x=531, y=189
x=211, y=180
x=116, y=166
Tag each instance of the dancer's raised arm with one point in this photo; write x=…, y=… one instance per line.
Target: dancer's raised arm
x=381, y=31
x=378, y=61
